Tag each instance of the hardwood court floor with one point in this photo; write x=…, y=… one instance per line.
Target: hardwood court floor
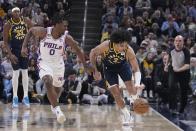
x=79, y=118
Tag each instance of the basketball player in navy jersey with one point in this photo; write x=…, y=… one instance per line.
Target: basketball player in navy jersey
x=119, y=59
x=13, y=35
x=50, y=61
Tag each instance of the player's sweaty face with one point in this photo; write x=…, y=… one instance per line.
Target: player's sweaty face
x=16, y=14
x=63, y=27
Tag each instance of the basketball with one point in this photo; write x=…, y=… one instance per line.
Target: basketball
x=141, y=106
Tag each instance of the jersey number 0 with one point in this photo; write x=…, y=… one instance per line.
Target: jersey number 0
x=52, y=51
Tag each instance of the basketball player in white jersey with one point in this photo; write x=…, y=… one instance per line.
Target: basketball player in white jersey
x=50, y=61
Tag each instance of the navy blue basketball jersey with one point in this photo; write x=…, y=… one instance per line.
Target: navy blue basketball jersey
x=17, y=33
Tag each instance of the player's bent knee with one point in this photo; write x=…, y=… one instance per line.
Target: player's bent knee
x=47, y=80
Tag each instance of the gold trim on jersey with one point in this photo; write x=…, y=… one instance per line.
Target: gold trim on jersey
x=113, y=56
x=20, y=21
x=111, y=48
x=20, y=32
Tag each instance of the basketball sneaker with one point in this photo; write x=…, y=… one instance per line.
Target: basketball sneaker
x=126, y=117
x=59, y=114
x=25, y=101
x=15, y=102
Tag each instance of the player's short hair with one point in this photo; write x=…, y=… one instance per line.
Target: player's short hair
x=57, y=18
x=120, y=36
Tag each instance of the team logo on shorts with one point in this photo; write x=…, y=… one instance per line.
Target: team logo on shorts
x=60, y=78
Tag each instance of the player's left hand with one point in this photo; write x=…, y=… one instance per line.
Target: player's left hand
x=24, y=52
x=140, y=88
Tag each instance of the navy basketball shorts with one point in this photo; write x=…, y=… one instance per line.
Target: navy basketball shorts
x=22, y=61
x=111, y=73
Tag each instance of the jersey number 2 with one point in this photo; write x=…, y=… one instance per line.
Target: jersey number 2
x=52, y=51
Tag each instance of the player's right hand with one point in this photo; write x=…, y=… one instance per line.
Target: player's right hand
x=13, y=59
x=24, y=52
x=97, y=75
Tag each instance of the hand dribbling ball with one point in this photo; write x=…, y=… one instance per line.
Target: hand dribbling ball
x=141, y=106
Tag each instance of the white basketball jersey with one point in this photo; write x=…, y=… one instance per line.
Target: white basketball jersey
x=51, y=50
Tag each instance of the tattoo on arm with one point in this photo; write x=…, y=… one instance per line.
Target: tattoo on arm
x=33, y=35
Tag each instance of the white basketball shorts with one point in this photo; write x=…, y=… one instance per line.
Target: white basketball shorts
x=54, y=70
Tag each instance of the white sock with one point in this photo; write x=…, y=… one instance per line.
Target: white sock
x=15, y=82
x=134, y=97
x=124, y=110
x=57, y=109
x=25, y=82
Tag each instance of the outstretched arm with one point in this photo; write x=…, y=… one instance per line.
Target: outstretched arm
x=99, y=50
x=74, y=45
x=134, y=65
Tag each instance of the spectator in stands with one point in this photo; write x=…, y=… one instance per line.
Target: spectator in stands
x=143, y=4
x=40, y=89
x=157, y=17
x=110, y=6
x=161, y=80
x=193, y=51
x=59, y=4
x=170, y=28
x=147, y=20
x=193, y=75
x=156, y=30
x=139, y=29
x=142, y=52
x=188, y=28
x=192, y=10
x=33, y=70
x=188, y=43
x=125, y=10
x=7, y=72
x=40, y=17
x=147, y=70
x=126, y=23
x=27, y=11
x=115, y=18
x=106, y=35
x=72, y=88
x=80, y=72
x=111, y=23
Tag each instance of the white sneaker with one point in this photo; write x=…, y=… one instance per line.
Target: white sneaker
x=126, y=117
x=59, y=114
